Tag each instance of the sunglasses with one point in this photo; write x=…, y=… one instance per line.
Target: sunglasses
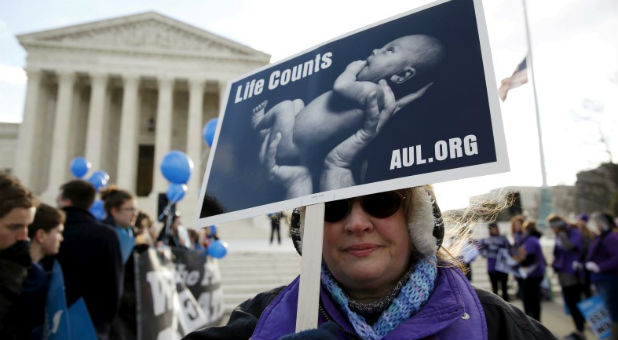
x=380, y=205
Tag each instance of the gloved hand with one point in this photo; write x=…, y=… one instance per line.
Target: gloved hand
x=592, y=267
x=577, y=265
x=19, y=252
x=326, y=331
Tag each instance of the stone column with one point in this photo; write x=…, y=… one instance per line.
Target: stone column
x=127, y=144
x=163, y=134
x=96, y=114
x=194, y=134
x=60, y=142
x=27, y=135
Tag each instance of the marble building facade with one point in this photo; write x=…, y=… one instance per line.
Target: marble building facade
x=123, y=92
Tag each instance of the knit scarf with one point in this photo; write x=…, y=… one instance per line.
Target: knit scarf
x=410, y=299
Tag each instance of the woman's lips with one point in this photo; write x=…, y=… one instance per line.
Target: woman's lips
x=361, y=249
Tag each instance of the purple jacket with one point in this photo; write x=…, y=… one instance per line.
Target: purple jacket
x=533, y=247
x=566, y=254
x=607, y=254
x=452, y=312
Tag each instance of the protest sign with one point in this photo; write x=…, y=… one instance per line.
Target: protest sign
x=597, y=317
x=64, y=323
x=166, y=306
x=279, y=124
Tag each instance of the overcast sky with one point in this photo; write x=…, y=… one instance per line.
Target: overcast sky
x=575, y=51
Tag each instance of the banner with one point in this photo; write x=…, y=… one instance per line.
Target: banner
x=166, y=307
x=202, y=276
x=405, y=102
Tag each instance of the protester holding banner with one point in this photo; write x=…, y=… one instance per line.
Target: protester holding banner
x=602, y=262
x=90, y=257
x=490, y=246
x=532, y=264
x=17, y=209
x=567, y=251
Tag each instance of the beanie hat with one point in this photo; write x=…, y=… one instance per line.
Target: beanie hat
x=425, y=224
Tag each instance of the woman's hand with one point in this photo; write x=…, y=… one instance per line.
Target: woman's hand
x=296, y=179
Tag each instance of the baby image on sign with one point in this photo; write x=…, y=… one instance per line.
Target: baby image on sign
x=408, y=101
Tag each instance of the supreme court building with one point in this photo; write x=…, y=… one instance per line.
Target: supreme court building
x=123, y=92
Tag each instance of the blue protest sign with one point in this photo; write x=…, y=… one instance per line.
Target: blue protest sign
x=127, y=242
x=62, y=323
x=56, y=313
x=406, y=102
x=81, y=323
x=594, y=311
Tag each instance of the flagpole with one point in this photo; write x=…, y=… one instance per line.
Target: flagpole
x=545, y=194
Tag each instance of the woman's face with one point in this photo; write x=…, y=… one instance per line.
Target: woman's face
x=367, y=255
x=125, y=215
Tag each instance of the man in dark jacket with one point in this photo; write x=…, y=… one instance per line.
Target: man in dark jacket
x=17, y=208
x=90, y=257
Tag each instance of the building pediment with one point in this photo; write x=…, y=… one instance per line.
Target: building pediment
x=142, y=33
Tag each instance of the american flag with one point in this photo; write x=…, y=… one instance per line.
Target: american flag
x=518, y=78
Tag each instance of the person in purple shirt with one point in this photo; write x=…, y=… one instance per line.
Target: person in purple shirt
x=602, y=262
x=490, y=246
x=531, y=261
x=567, y=252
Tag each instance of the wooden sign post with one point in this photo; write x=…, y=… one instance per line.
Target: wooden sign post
x=309, y=289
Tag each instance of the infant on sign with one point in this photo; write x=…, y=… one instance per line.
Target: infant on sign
x=336, y=114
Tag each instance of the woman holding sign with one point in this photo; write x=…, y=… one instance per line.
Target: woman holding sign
x=384, y=274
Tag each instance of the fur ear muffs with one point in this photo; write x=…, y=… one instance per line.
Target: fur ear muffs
x=421, y=222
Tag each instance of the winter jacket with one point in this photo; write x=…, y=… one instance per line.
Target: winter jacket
x=454, y=311
x=92, y=266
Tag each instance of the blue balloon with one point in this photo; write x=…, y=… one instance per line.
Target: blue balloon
x=213, y=229
x=99, y=179
x=98, y=210
x=217, y=249
x=209, y=130
x=101, y=174
x=176, y=167
x=176, y=192
x=79, y=167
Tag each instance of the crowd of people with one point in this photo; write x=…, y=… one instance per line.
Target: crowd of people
x=584, y=259
x=385, y=271
x=95, y=261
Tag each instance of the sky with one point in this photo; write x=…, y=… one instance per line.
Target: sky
x=574, y=50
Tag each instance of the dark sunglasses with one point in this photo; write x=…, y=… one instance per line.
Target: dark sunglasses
x=380, y=205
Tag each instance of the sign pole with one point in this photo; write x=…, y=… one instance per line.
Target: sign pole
x=309, y=289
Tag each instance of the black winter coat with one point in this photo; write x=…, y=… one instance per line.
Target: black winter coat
x=92, y=265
